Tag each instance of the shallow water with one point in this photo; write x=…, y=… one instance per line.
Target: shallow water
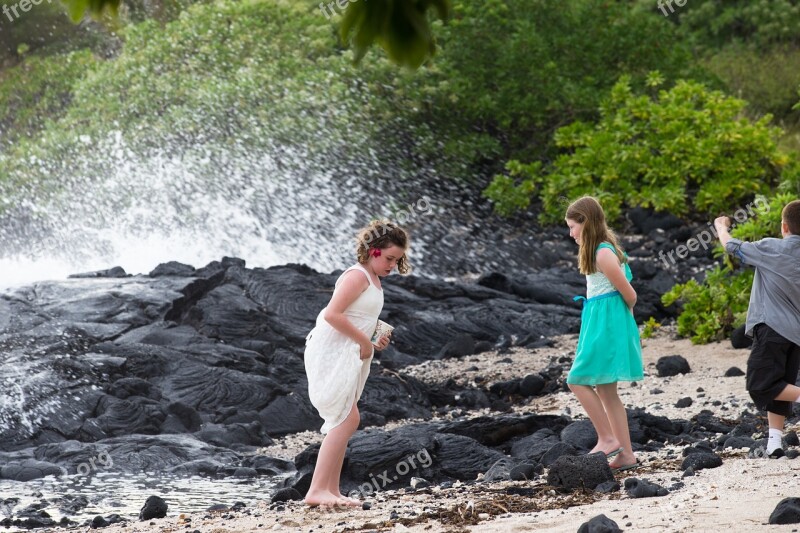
x=124, y=494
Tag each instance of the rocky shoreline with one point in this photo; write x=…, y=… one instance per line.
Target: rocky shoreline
x=198, y=372
x=690, y=481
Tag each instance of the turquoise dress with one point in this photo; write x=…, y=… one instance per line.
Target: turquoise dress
x=609, y=349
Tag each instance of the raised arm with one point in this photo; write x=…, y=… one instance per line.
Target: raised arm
x=608, y=264
x=722, y=225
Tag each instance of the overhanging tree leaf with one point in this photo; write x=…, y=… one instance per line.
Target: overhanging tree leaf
x=400, y=27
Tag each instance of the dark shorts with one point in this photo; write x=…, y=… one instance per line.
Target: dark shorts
x=773, y=364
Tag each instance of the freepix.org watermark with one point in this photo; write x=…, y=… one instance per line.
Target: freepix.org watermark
x=664, y=4
x=22, y=5
x=422, y=459
x=709, y=235
x=341, y=4
x=403, y=216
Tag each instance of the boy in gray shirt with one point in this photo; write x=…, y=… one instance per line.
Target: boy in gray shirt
x=773, y=319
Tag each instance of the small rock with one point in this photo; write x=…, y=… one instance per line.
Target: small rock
x=523, y=472
x=579, y=472
x=642, y=488
x=599, y=524
x=699, y=461
x=684, y=402
x=607, y=487
x=786, y=512
x=285, y=495
x=733, y=371
x=739, y=442
x=419, y=483
x=672, y=365
x=154, y=507
x=531, y=385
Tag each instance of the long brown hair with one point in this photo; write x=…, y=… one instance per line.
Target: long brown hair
x=587, y=211
x=382, y=234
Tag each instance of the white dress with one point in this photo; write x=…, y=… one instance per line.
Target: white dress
x=336, y=374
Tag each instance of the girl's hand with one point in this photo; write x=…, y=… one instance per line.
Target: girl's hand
x=366, y=350
x=383, y=342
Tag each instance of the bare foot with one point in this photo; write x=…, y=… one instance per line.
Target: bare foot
x=350, y=502
x=321, y=498
x=606, y=447
x=626, y=458
x=346, y=500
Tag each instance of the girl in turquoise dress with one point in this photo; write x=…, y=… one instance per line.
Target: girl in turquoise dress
x=609, y=349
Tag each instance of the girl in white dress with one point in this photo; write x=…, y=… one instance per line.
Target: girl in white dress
x=339, y=351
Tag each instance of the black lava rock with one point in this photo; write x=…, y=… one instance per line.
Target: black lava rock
x=739, y=442
x=154, y=507
x=684, y=402
x=557, y=450
x=285, y=495
x=642, y=488
x=672, y=365
x=531, y=385
x=580, y=434
x=607, y=487
x=599, y=524
x=523, y=472
x=786, y=512
x=699, y=461
x=733, y=371
x=569, y=473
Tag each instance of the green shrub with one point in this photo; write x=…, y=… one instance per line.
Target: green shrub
x=767, y=79
x=677, y=150
x=39, y=90
x=761, y=24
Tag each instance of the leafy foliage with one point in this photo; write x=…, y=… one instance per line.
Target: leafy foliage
x=400, y=27
x=768, y=79
x=40, y=90
x=760, y=24
x=677, y=149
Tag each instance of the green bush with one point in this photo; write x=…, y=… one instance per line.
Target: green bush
x=39, y=90
x=760, y=24
x=677, y=150
x=718, y=305
x=768, y=79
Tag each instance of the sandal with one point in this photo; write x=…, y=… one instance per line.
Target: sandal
x=623, y=468
x=609, y=455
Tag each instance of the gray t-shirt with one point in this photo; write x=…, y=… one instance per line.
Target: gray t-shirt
x=775, y=298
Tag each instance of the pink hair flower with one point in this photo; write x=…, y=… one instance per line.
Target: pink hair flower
x=375, y=252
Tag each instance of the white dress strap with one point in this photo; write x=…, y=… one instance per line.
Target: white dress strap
x=357, y=266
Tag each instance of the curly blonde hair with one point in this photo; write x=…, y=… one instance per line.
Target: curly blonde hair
x=382, y=234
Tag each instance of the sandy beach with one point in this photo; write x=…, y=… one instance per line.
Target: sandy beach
x=738, y=496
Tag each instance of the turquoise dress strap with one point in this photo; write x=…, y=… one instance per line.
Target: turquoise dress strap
x=625, y=266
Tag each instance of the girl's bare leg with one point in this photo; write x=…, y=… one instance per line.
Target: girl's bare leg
x=607, y=441
x=324, y=489
x=618, y=419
